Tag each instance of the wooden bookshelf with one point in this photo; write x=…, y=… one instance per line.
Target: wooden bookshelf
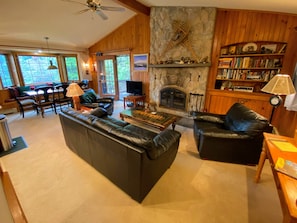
x=250, y=64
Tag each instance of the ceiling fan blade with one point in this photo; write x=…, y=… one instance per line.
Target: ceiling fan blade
x=110, y=8
x=74, y=2
x=101, y=14
x=82, y=11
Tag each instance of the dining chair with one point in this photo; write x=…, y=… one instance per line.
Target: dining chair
x=60, y=95
x=24, y=102
x=45, y=99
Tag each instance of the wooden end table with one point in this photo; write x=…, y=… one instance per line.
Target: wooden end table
x=135, y=99
x=286, y=186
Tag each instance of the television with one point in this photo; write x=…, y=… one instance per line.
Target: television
x=134, y=87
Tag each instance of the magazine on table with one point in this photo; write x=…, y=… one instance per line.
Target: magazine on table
x=286, y=167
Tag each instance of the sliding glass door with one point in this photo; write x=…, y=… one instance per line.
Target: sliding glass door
x=108, y=85
x=113, y=71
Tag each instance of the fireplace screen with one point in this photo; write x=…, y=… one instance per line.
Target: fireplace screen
x=173, y=98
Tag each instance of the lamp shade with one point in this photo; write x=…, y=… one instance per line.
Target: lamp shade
x=74, y=90
x=280, y=84
x=51, y=66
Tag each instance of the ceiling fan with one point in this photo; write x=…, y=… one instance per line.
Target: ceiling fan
x=95, y=6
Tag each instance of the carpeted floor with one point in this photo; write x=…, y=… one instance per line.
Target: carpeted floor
x=18, y=144
x=55, y=185
x=186, y=122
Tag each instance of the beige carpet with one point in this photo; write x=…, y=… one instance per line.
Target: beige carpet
x=55, y=186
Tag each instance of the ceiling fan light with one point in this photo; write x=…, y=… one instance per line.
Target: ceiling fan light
x=51, y=66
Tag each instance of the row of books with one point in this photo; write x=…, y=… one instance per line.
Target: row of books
x=249, y=62
x=245, y=74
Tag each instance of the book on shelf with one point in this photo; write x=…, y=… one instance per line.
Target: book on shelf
x=286, y=167
x=246, y=62
x=225, y=62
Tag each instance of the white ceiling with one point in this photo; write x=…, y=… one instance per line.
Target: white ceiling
x=27, y=22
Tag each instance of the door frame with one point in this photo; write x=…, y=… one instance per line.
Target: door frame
x=99, y=60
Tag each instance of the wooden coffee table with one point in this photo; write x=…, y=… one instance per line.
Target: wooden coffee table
x=160, y=120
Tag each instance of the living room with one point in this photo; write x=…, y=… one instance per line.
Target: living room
x=201, y=191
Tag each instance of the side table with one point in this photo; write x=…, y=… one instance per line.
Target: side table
x=135, y=99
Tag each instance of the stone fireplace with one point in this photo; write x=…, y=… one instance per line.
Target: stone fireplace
x=172, y=88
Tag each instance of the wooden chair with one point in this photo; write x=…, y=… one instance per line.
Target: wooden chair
x=25, y=102
x=60, y=95
x=45, y=99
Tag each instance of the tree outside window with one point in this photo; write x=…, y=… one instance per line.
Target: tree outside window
x=34, y=70
x=71, y=68
x=5, y=74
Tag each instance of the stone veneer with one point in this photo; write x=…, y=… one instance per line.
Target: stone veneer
x=190, y=80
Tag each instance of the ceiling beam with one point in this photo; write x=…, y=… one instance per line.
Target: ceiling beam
x=135, y=6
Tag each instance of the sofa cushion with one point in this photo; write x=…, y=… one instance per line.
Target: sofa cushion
x=115, y=121
x=22, y=90
x=140, y=131
x=88, y=97
x=99, y=112
x=83, y=117
x=133, y=137
x=104, y=125
x=242, y=119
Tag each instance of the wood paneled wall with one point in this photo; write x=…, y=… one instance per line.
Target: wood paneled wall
x=133, y=35
x=233, y=26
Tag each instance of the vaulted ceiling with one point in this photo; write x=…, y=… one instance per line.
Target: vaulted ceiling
x=26, y=23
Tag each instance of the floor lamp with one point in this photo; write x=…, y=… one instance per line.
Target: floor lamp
x=74, y=91
x=280, y=84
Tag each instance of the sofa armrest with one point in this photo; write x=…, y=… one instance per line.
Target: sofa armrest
x=104, y=100
x=210, y=117
x=164, y=141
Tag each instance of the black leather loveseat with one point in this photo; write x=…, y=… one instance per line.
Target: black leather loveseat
x=235, y=137
x=91, y=100
x=131, y=157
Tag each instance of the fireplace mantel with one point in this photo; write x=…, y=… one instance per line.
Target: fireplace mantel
x=179, y=65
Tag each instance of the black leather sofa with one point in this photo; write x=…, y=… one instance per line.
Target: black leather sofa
x=131, y=157
x=235, y=137
x=91, y=100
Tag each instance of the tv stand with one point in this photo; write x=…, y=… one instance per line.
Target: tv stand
x=136, y=100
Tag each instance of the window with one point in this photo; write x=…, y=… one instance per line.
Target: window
x=5, y=75
x=34, y=69
x=71, y=68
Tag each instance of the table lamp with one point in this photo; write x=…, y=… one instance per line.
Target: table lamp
x=75, y=91
x=280, y=84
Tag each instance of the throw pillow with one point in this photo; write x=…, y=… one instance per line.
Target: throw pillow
x=99, y=112
x=24, y=88
x=88, y=97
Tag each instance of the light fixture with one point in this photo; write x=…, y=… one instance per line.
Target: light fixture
x=94, y=66
x=86, y=66
x=74, y=91
x=51, y=66
x=280, y=84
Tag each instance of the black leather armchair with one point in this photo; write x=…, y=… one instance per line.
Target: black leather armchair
x=91, y=100
x=235, y=137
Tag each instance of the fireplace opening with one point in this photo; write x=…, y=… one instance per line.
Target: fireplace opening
x=173, y=98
